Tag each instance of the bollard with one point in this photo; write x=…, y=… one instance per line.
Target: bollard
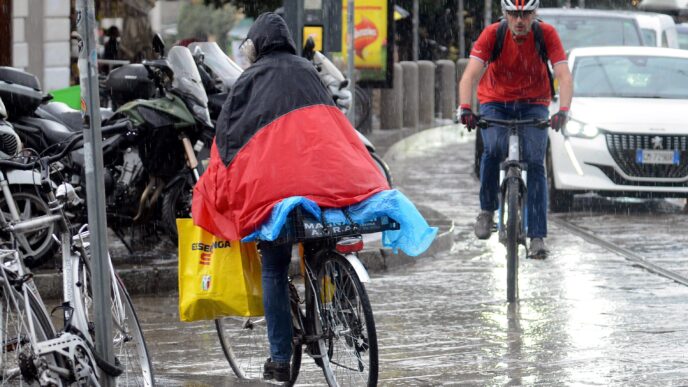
x=426, y=92
x=410, y=96
x=460, y=67
x=392, y=101
x=445, y=89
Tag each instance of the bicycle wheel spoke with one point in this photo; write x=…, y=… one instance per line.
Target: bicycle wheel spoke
x=347, y=324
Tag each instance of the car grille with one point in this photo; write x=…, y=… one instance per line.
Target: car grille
x=623, y=149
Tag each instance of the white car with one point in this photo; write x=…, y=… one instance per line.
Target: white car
x=628, y=132
x=659, y=30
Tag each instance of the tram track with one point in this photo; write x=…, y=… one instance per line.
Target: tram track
x=624, y=252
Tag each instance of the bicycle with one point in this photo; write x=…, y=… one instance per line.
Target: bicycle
x=512, y=220
x=331, y=313
x=32, y=351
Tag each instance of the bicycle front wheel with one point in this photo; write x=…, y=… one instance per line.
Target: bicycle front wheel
x=346, y=324
x=129, y=345
x=514, y=231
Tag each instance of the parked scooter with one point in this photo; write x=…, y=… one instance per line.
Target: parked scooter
x=220, y=72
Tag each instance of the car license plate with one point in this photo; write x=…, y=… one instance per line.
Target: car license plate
x=648, y=156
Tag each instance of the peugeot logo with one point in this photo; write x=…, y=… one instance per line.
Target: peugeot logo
x=657, y=143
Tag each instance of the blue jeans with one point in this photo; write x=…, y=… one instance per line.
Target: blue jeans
x=276, y=300
x=533, y=147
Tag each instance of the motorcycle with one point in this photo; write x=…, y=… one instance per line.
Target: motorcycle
x=219, y=73
x=168, y=126
x=149, y=156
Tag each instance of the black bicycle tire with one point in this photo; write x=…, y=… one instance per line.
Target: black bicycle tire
x=40, y=316
x=233, y=361
x=131, y=311
x=129, y=308
x=365, y=307
x=514, y=222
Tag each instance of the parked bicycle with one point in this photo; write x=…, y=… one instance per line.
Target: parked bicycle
x=32, y=351
x=512, y=224
x=331, y=313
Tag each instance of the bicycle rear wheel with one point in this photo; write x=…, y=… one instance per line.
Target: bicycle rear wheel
x=16, y=347
x=244, y=341
x=346, y=324
x=514, y=232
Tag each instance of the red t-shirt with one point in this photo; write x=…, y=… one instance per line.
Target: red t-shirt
x=518, y=74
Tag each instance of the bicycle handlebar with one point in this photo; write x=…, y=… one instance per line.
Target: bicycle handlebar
x=125, y=125
x=483, y=122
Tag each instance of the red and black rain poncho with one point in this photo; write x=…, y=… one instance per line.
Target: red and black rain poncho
x=279, y=135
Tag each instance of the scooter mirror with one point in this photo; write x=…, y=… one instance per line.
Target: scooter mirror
x=159, y=45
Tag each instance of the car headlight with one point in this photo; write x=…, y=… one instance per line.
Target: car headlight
x=575, y=128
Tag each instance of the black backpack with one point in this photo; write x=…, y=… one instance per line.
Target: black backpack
x=540, y=46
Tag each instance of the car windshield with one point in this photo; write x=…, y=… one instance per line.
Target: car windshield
x=631, y=76
x=187, y=80
x=585, y=31
x=218, y=62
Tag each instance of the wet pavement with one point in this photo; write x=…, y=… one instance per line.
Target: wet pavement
x=586, y=316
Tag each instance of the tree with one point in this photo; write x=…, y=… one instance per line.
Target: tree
x=252, y=8
x=197, y=21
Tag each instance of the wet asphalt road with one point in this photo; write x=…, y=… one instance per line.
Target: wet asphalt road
x=586, y=316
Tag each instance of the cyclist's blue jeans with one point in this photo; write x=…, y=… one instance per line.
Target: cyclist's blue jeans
x=533, y=147
x=276, y=300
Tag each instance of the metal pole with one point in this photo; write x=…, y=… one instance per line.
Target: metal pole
x=350, y=56
x=488, y=13
x=95, y=188
x=462, y=30
x=415, y=31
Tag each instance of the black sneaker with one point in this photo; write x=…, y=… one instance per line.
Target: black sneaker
x=484, y=224
x=278, y=371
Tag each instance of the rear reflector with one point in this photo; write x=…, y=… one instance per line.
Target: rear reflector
x=349, y=245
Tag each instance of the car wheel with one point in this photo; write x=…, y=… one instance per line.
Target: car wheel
x=559, y=200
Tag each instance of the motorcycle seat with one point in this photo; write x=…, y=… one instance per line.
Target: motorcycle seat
x=67, y=116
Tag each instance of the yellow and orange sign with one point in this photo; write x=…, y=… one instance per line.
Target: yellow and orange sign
x=370, y=33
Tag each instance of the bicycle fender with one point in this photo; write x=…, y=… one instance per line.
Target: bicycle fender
x=19, y=177
x=361, y=271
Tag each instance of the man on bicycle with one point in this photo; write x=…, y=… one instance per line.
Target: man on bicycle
x=279, y=136
x=515, y=86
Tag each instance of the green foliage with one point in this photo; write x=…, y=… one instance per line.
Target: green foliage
x=252, y=8
x=201, y=21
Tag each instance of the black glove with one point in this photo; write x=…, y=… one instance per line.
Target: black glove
x=558, y=120
x=468, y=118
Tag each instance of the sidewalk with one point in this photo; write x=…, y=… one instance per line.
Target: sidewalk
x=155, y=271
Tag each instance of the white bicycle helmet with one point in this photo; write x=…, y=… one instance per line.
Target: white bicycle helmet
x=520, y=5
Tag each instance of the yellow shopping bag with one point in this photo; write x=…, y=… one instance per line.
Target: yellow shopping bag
x=216, y=277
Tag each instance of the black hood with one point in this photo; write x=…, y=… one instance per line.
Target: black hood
x=270, y=33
